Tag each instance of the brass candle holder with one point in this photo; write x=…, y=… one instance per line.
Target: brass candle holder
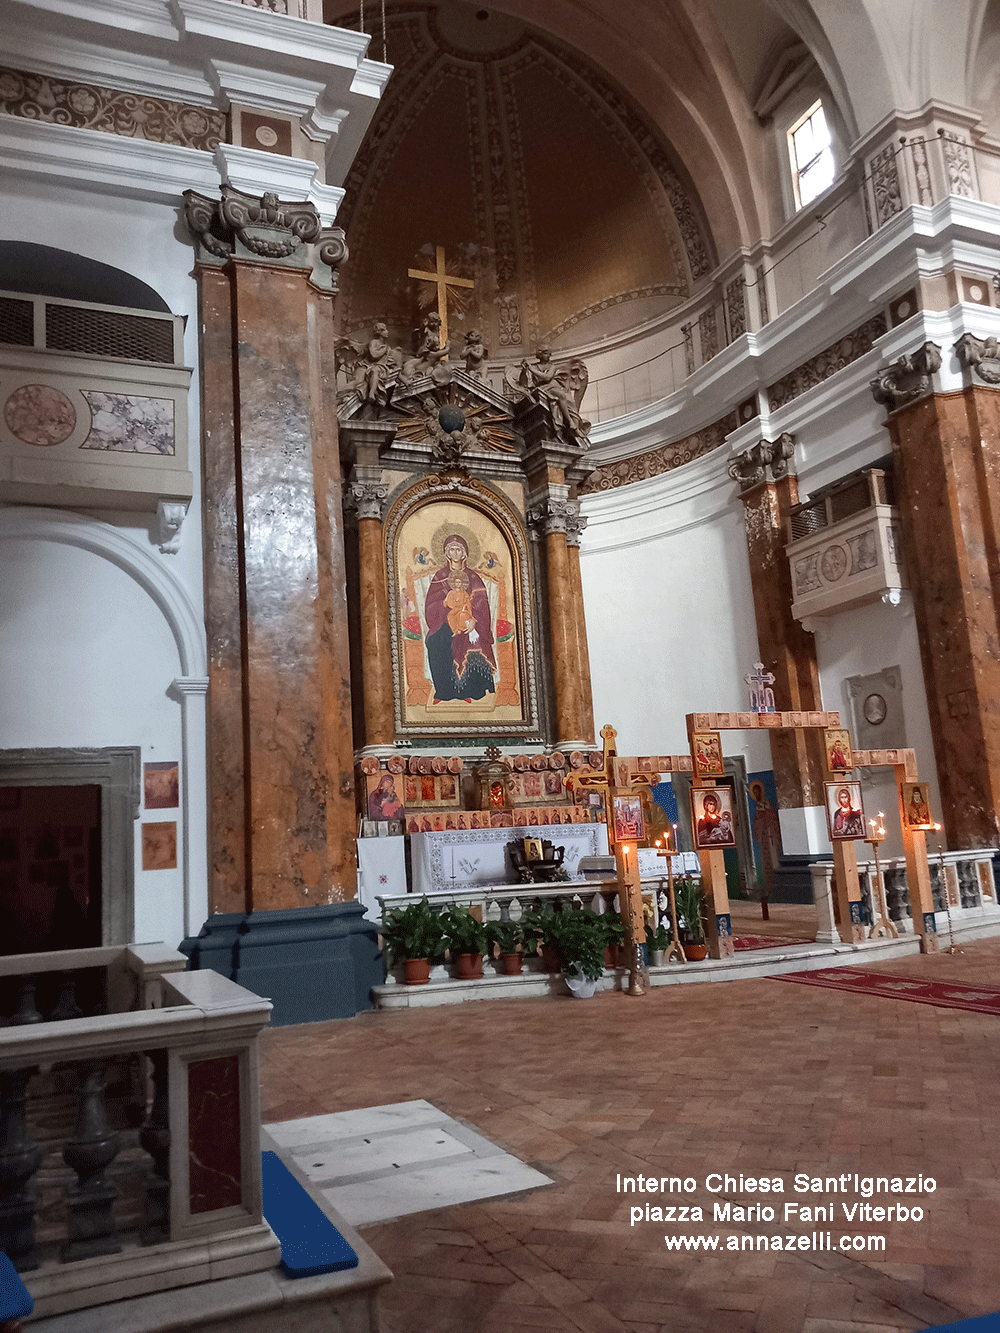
x=882, y=925
x=669, y=851
x=952, y=947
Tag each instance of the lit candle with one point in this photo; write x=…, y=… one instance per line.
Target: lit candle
x=625, y=854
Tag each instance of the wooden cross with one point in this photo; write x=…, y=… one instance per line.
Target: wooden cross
x=443, y=281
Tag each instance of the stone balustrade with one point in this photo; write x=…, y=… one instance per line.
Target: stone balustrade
x=129, y=1138
x=963, y=881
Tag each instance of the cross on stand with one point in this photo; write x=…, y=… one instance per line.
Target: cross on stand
x=443, y=280
x=617, y=781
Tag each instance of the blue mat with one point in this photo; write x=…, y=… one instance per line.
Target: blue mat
x=310, y=1243
x=15, y=1299
x=987, y=1323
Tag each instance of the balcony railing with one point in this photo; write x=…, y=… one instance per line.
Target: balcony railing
x=129, y=1137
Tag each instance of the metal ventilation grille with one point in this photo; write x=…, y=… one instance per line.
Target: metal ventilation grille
x=17, y=322
x=805, y=519
x=104, y=333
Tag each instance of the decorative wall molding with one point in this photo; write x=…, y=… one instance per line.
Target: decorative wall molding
x=851, y=347
x=132, y=115
x=663, y=459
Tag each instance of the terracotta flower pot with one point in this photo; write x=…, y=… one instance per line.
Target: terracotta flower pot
x=510, y=964
x=695, y=953
x=416, y=971
x=468, y=966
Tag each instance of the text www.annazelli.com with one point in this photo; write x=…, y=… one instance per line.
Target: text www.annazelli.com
x=816, y=1240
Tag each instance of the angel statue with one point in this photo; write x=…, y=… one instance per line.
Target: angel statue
x=559, y=390
x=370, y=367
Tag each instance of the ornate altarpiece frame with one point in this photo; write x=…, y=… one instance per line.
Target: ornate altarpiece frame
x=494, y=506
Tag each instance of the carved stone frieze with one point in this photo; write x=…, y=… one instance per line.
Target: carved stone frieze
x=708, y=328
x=736, y=308
x=132, y=115
x=662, y=459
x=762, y=306
x=826, y=363
x=981, y=356
x=885, y=185
x=265, y=228
x=958, y=164
x=688, y=332
x=907, y=378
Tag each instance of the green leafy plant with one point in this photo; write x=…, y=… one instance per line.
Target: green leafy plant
x=413, y=931
x=690, y=899
x=506, y=935
x=462, y=932
x=614, y=929
x=537, y=926
x=658, y=938
x=579, y=940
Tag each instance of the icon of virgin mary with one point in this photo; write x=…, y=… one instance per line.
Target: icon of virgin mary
x=460, y=642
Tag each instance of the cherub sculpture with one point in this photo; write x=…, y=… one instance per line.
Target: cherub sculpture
x=430, y=354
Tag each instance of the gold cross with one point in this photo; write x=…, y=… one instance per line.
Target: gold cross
x=443, y=281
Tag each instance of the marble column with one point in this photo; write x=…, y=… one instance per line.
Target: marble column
x=281, y=752
x=786, y=649
x=822, y=882
x=367, y=498
x=551, y=517
x=946, y=451
x=574, y=529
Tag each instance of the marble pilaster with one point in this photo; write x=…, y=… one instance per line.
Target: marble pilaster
x=946, y=449
x=573, y=531
x=281, y=752
x=376, y=650
x=786, y=648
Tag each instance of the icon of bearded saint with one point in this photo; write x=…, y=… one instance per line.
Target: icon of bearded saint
x=460, y=644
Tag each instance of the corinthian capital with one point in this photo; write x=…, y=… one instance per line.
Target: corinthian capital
x=908, y=378
x=555, y=516
x=366, y=498
x=264, y=228
x=981, y=356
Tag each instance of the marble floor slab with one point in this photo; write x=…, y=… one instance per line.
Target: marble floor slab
x=390, y=1161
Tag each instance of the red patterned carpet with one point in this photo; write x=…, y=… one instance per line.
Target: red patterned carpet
x=943, y=994
x=742, y=943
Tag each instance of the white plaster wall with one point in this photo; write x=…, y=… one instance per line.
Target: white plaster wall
x=86, y=655
x=667, y=596
x=860, y=642
x=87, y=658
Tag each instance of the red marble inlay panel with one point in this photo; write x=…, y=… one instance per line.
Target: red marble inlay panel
x=215, y=1156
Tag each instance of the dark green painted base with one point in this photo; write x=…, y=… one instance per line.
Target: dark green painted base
x=312, y=963
x=792, y=880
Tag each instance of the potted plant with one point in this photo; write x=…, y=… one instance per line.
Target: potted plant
x=413, y=935
x=505, y=938
x=690, y=899
x=579, y=940
x=539, y=927
x=614, y=939
x=465, y=938
x=657, y=942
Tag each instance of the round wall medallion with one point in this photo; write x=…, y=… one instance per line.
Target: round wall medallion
x=874, y=709
x=833, y=564
x=39, y=414
x=266, y=136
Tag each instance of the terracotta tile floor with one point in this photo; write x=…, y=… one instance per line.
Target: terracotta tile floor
x=752, y=1077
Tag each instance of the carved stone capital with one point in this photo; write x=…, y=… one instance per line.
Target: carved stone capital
x=555, y=516
x=908, y=378
x=170, y=516
x=263, y=229
x=981, y=356
x=365, y=498
x=750, y=467
x=782, y=455
x=574, y=529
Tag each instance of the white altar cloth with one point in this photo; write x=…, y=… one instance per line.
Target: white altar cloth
x=381, y=871
x=457, y=858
